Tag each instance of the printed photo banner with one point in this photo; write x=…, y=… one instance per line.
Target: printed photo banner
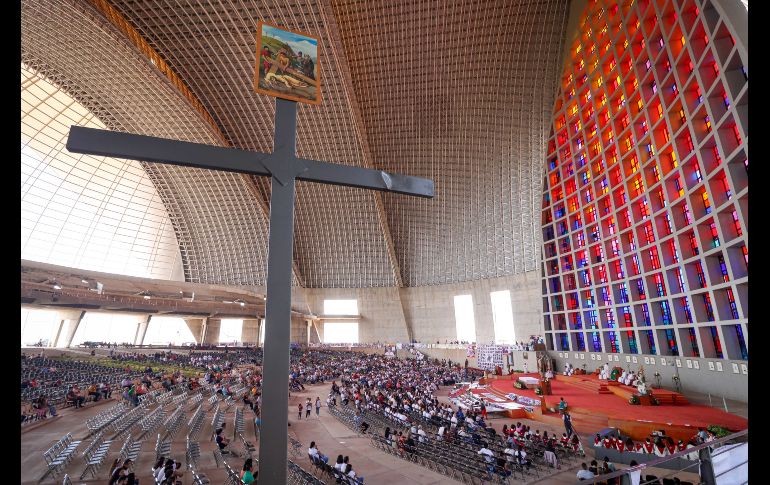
x=471, y=351
x=490, y=356
x=527, y=401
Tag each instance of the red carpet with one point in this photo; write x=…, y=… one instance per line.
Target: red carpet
x=591, y=404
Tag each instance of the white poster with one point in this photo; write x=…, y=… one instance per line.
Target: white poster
x=695, y=364
x=735, y=369
x=711, y=365
x=731, y=464
x=689, y=364
x=719, y=366
x=583, y=357
x=634, y=360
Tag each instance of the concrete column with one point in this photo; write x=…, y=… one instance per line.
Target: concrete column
x=197, y=327
x=141, y=330
x=73, y=326
x=64, y=316
x=315, y=332
x=250, y=331
x=298, y=331
x=212, y=331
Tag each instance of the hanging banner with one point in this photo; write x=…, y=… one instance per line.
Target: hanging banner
x=490, y=356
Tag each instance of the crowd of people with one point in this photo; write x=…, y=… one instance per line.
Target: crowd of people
x=402, y=390
x=654, y=445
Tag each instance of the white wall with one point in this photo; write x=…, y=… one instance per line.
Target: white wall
x=388, y=313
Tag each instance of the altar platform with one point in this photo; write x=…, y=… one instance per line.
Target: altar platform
x=595, y=404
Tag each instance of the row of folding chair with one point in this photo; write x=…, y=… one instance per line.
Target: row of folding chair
x=60, y=454
x=238, y=425
x=217, y=419
x=297, y=475
x=150, y=422
x=130, y=449
x=104, y=418
x=233, y=478
x=162, y=447
x=164, y=397
x=196, y=422
x=94, y=455
x=219, y=459
x=248, y=446
x=199, y=478
x=192, y=453
x=173, y=422
x=453, y=468
x=123, y=423
x=179, y=398
x=195, y=399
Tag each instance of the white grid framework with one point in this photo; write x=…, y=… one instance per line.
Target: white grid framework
x=645, y=204
x=81, y=211
x=221, y=231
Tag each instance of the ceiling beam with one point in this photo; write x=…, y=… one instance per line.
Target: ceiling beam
x=136, y=39
x=330, y=23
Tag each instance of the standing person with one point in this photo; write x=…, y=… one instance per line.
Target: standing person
x=483, y=410
x=568, y=424
x=308, y=408
x=562, y=405
x=317, y=406
x=299, y=411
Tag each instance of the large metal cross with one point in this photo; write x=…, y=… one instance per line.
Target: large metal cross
x=284, y=168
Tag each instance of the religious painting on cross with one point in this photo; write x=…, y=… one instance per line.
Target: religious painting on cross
x=287, y=64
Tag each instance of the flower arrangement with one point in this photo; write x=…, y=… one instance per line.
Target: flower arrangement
x=539, y=391
x=718, y=431
x=634, y=400
x=519, y=385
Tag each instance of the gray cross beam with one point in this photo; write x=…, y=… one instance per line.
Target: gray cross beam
x=284, y=168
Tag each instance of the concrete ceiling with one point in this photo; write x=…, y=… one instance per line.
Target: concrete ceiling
x=56, y=286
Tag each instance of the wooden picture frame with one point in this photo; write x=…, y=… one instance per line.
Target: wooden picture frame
x=280, y=72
